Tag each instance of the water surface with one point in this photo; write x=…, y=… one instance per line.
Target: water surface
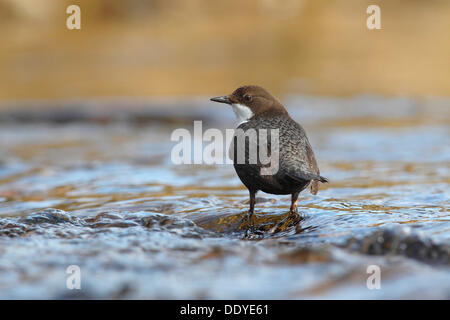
x=98, y=189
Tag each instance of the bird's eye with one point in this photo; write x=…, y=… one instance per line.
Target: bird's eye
x=248, y=98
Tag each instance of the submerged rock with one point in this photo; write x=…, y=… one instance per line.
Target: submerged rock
x=401, y=241
x=52, y=216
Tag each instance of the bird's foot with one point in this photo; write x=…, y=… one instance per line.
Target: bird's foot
x=290, y=220
x=248, y=225
x=247, y=220
x=247, y=217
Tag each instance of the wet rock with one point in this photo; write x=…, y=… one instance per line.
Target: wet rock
x=401, y=241
x=115, y=224
x=105, y=215
x=259, y=226
x=10, y=227
x=183, y=227
x=165, y=208
x=155, y=220
x=52, y=216
x=110, y=220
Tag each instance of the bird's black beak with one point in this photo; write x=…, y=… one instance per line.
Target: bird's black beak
x=223, y=99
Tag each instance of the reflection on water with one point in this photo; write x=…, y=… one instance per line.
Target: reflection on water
x=141, y=227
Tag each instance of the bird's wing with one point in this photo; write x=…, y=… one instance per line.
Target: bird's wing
x=306, y=176
x=305, y=165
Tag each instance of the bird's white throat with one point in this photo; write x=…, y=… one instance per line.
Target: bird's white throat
x=242, y=112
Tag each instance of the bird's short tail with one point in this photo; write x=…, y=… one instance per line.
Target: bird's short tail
x=315, y=184
x=323, y=179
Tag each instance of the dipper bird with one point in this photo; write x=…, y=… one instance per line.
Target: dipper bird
x=257, y=109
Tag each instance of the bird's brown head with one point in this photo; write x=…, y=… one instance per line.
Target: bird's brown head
x=252, y=101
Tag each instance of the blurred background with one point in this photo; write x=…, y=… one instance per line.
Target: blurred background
x=87, y=178
x=198, y=47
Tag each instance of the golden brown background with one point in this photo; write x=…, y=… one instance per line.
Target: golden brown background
x=191, y=47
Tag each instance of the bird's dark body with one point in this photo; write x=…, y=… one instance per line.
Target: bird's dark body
x=296, y=158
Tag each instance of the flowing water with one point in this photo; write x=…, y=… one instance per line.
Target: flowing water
x=93, y=185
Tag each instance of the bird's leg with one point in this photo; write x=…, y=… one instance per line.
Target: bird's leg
x=294, y=199
x=248, y=217
x=252, y=203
